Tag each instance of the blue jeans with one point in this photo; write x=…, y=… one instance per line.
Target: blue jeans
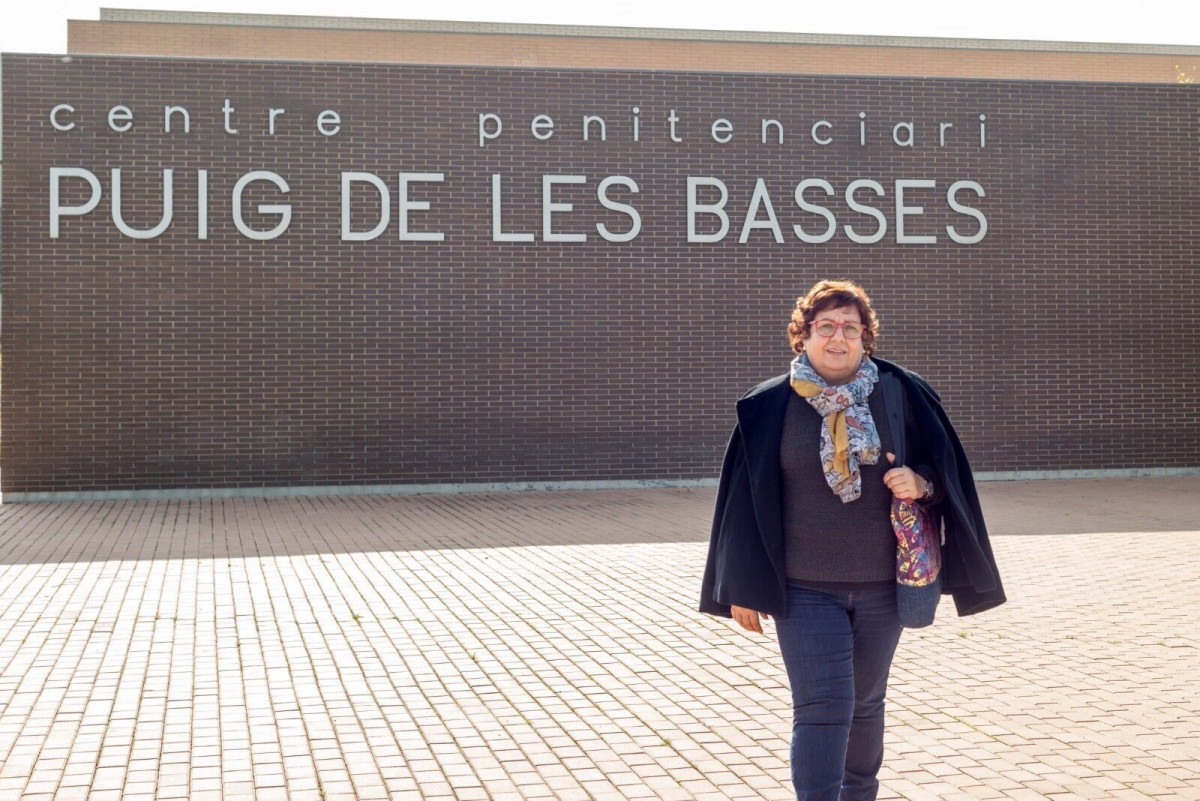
x=837, y=647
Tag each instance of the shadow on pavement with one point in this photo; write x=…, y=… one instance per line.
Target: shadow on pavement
x=1086, y=506
x=219, y=528
x=234, y=528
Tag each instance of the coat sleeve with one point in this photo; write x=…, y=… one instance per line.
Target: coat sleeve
x=735, y=458
x=976, y=586
x=739, y=569
x=969, y=569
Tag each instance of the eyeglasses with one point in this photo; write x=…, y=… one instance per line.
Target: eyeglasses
x=828, y=328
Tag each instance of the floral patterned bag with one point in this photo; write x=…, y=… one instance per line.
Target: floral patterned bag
x=918, y=531
x=918, y=562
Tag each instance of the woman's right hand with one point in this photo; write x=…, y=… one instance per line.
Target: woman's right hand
x=748, y=618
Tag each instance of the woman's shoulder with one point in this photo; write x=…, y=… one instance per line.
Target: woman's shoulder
x=769, y=384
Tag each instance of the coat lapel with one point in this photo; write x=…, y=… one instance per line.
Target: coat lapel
x=760, y=419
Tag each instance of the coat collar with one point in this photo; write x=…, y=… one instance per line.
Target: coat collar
x=760, y=411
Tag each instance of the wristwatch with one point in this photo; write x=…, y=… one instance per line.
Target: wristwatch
x=928, y=490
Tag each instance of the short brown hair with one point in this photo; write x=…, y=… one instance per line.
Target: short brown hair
x=832, y=295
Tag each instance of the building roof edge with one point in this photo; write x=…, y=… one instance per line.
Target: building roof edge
x=614, y=32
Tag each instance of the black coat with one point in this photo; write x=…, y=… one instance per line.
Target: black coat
x=746, y=563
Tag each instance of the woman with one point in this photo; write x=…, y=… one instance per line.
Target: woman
x=802, y=531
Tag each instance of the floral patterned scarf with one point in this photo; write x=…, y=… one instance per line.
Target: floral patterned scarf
x=848, y=434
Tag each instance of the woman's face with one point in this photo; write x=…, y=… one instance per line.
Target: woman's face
x=835, y=358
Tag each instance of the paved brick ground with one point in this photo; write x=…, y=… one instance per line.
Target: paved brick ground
x=543, y=645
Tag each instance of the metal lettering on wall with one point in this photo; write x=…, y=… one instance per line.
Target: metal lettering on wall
x=759, y=212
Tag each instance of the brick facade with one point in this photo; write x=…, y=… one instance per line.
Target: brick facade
x=1062, y=340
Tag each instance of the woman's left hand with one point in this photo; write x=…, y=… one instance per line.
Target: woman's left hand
x=903, y=482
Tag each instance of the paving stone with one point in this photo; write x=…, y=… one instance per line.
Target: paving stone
x=545, y=645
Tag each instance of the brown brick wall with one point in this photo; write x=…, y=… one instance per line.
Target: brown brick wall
x=1063, y=340
x=498, y=49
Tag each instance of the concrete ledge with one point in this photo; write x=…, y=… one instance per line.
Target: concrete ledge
x=1125, y=472
x=511, y=486
x=348, y=489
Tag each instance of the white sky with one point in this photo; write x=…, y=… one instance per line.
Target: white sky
x=39, y=26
